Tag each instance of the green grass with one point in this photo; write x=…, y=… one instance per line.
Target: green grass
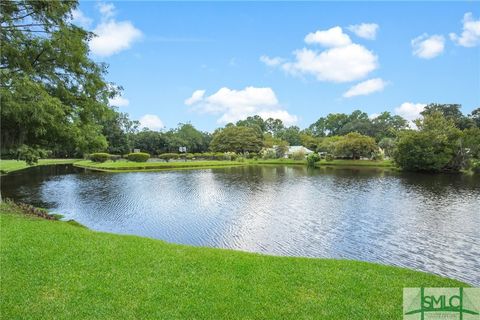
x=52, y=269
x=121, y=166
x=7, y=166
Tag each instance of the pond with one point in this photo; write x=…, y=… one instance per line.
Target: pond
x=420, y=221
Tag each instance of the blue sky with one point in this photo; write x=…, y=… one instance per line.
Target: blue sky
x=210, y=63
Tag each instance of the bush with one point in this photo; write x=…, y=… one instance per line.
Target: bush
x=168, y=156
x=298, y=155
x=138, y=156
x=329, y=157
x=269, y=154
x=312, y=158
x=31, y=155
x=230, y=156
x=115, y=157
x=99, y=157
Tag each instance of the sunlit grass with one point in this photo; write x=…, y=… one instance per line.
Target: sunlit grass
x=55, y=269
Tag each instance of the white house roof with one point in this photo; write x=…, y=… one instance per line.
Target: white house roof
x=293, y=149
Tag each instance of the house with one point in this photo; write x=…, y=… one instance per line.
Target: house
x=295, y=149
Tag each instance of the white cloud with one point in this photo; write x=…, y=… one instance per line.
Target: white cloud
x=197, y=96
x=365, y=30
x=428, y=47
x=340, y=64
x=410, y=111
x=271, y=62
x=470, y=36
x=233, y=105
x=80, y=19
x=333, y=37
x=118, y=101
x=152, y=122
x=106, y=9
x=112, y=36
x=365, y=88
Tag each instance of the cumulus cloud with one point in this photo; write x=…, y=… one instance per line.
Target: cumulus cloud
x=118, y=101
x=233, y=105
x=271, y=62
x=197, y=96
x=410, y=111
x=340, y=64
x=341, y=61
x=80, y=19
x=470, y=36
x=428, y=47
x=333, y=37
x=365, y=30
x=106, y=9
x=365, y=88
x=152, y=122
x=112, y=36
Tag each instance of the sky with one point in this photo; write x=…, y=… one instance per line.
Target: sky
x=210, y=63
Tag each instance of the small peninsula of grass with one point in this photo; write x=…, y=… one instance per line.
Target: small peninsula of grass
x=56, y=268
x=7, y=166
x=127, y=166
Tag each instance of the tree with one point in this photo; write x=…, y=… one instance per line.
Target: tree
x=118, y=129
x=290, y=135
x=387, y=126
x=53, y=95
x=149, y=141
x=451, y=112
x=387, y=145
x=355, y=145
x=475, y=117
x=435, y=146
x=256, y=122
x=238, y=139
x=274, y=126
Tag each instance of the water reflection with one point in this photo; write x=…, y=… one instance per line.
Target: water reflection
x=420, y=221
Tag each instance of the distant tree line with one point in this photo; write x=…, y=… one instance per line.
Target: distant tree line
x=54, y=103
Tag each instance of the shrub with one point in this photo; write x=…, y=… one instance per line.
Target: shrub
x=138, y=156
x=31, y=155
x=269, y=154
x=115, y=157
x=329, y=157
x=312, y=158
x=168, y=156
x=298, y=155
x=99, y=157
x=230, y=156
x=189, y=156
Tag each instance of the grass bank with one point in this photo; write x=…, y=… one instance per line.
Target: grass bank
x=7, y=166
x=125, y=166
x=53, y=269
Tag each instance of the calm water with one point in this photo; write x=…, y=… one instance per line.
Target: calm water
x=424, y=222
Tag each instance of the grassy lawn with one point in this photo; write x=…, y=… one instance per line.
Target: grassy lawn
x=7, y=166
x=118, y=166
x=111, y=166
x=54, y=269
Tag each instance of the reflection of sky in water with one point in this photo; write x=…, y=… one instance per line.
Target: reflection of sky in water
x=425, y=222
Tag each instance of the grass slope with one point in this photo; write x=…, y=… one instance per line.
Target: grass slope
x=111, y=166
x=52, y=269
x=7, y=166
x=123, y=166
